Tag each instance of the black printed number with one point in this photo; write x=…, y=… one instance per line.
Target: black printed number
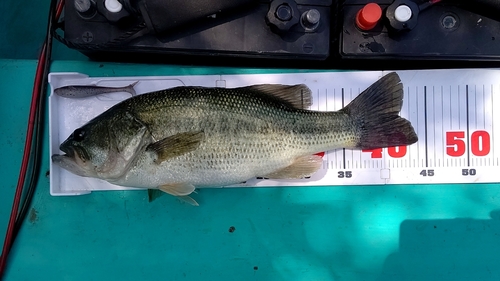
x=468, y=172
x=427, y=173
x=345, y=174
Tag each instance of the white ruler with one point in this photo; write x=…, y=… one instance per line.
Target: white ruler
x=454, y=112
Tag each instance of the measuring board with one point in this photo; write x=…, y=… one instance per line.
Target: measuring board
x=452, y=111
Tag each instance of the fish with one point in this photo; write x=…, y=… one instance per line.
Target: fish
x=179, y=139
x=81, y=91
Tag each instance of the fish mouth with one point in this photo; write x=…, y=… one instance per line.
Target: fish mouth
x=69, y=152
x=76, y=152
x=70, y=161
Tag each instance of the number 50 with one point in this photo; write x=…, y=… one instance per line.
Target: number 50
x=479, y=143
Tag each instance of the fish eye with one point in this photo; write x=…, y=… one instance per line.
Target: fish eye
x=79, y=134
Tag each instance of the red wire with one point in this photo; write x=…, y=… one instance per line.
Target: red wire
x=24, y=167
x=59, y=9
x=42, y=61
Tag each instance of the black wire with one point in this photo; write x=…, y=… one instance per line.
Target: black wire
x=38, y=128
x=35, y=163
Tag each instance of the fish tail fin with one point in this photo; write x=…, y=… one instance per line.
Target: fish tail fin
x=376, y=111
x=130, y=88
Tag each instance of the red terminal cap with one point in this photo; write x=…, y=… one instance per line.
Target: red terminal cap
x=368, y=17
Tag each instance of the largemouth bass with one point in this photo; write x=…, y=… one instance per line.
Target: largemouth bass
x=182, y=138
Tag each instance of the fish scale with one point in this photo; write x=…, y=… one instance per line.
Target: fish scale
x=249, y=132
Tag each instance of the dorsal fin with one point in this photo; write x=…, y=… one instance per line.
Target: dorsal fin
x=296, y=96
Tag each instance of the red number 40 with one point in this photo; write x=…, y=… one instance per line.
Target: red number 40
x=393, y=151
x=479, y=143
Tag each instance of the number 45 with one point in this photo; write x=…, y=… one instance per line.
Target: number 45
x=426, y=173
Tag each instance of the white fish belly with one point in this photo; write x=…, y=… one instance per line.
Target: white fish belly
x=217, y=162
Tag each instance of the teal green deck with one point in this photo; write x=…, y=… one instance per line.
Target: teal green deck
x=402, y=232
x=405, y=232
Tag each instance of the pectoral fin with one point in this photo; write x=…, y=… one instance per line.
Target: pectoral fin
x=302, y=167
x=181, y=191
x=177, y=189
x=189, y=200
x=175, y=145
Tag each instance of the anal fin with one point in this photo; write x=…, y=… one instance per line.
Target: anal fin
x=302, y=167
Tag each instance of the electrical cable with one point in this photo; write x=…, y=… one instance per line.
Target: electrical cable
x=36, y=153
x=35, y=125
x=33, y=134
x=39, y=125
x=27, y=148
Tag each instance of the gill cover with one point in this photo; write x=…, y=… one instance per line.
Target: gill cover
x=128, y=134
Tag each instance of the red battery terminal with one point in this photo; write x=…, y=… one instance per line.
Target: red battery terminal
x=368, y=17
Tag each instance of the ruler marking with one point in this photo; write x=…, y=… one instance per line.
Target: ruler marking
x=343, y=149
x=419, y=150
x=467, y=123
x=408, y=114
x=426, y=144
x=442, y=123
x=326, y=99
x=459, y=110
x=327, y=154
x=417, y=125
x=475, y=105
x=484, y=105
x=451, y=108
x=319, y=101
x=434, y=133
x=492, y=122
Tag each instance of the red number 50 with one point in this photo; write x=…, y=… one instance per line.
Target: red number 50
x=479, y=143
